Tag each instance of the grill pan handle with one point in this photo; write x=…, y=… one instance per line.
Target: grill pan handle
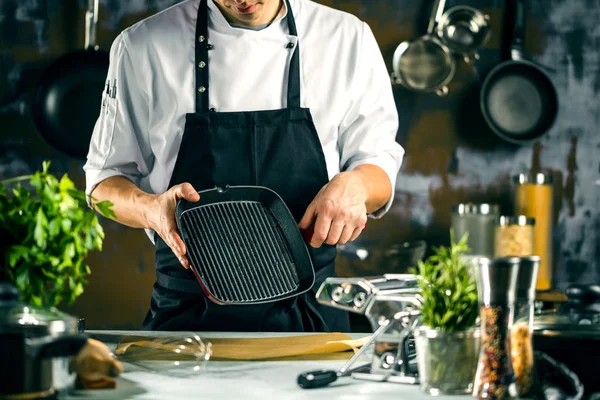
x=307, y=233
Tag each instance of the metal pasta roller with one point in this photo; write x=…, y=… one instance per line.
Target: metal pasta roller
x=389, y=300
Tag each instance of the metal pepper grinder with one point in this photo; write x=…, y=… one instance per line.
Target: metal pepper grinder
x=496, y=287
x=521, y=333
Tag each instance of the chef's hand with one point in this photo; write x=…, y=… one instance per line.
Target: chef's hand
x=339, y=211
x=95, y=367
x=162, y=218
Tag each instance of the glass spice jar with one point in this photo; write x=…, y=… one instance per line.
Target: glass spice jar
x=514, y=236
x=496, y=286
x=534, y=198
x=479, y=220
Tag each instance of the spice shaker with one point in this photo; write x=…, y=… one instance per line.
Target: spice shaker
x=496, y=286
x=479, y=220
x=514, y=236
x=533, y=198
x=521, y=340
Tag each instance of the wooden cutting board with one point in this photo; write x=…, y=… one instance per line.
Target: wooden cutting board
x=241, y=348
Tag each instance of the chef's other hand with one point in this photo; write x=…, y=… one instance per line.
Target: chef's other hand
x=95, y=367
x=162, y=218
x=338, y=211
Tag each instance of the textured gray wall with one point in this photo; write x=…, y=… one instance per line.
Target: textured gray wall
x=451, y=155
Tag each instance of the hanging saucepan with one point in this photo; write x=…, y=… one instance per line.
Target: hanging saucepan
x=68, y=98
x=425, y=64
x=464, y=30
x=518, y=100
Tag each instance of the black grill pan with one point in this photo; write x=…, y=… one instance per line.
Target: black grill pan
x=244, y=246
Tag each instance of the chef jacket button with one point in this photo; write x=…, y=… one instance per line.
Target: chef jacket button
x=201, y=39
x=201, y=89
x=209, y=47
x=211, y=110
x=289, y=45
x=201, y=64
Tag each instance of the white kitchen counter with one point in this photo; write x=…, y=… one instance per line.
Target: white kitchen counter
x=264, y=380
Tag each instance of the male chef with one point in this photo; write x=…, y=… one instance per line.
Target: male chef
x=287, y=94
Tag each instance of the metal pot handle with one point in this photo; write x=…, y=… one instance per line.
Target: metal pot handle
x=51, y=347
x=517, y=11
x=471, y=58
x=436, y=14
x=442, y=92
x=91, y=20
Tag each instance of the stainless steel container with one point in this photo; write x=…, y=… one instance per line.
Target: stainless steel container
x=464, y=30
x=479, y=220
x=35, y=344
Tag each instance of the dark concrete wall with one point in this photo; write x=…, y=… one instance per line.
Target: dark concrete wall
x=451, y=155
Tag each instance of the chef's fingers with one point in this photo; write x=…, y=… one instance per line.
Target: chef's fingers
x=176, y=244
x=356, y=233
x=308, y=218
x=346, y=234
x=335, y=231
x=95, y=364
x=325, y=214
x=95, y=358
x=185, y=191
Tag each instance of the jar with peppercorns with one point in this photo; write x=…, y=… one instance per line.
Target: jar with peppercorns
x=496, y=287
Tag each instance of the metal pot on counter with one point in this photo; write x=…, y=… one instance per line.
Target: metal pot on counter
x=35, y=344
x=571, y=335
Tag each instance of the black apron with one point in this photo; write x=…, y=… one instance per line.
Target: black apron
x=279, y=149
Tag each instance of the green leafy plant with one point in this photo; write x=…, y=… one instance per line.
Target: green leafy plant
x=46, y=231
x=449, y=305
x=448, y=288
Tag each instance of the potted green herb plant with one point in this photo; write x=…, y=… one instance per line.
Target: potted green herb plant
x=447, y=341
x=46, y=232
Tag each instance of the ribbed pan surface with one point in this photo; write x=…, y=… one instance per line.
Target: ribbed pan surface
x=240, y=252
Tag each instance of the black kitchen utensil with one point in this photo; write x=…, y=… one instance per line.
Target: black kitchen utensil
x=518, y=100
x=571, y=335
x=244, y=245
x=322, y=377
x=68, y=98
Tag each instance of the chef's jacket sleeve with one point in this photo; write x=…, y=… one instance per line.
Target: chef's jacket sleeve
x=119, y=145
x=367, y=133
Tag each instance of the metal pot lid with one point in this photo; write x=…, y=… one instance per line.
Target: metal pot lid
x=476, y=209
x=19, y=317
x=564, y=325
x=538, y=179
x=578, y=318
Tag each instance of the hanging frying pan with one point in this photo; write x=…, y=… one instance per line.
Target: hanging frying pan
x=425, y=64
x=67, y=100
x=518, y=100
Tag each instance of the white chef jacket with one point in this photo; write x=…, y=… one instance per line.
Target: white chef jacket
x=344, y=83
